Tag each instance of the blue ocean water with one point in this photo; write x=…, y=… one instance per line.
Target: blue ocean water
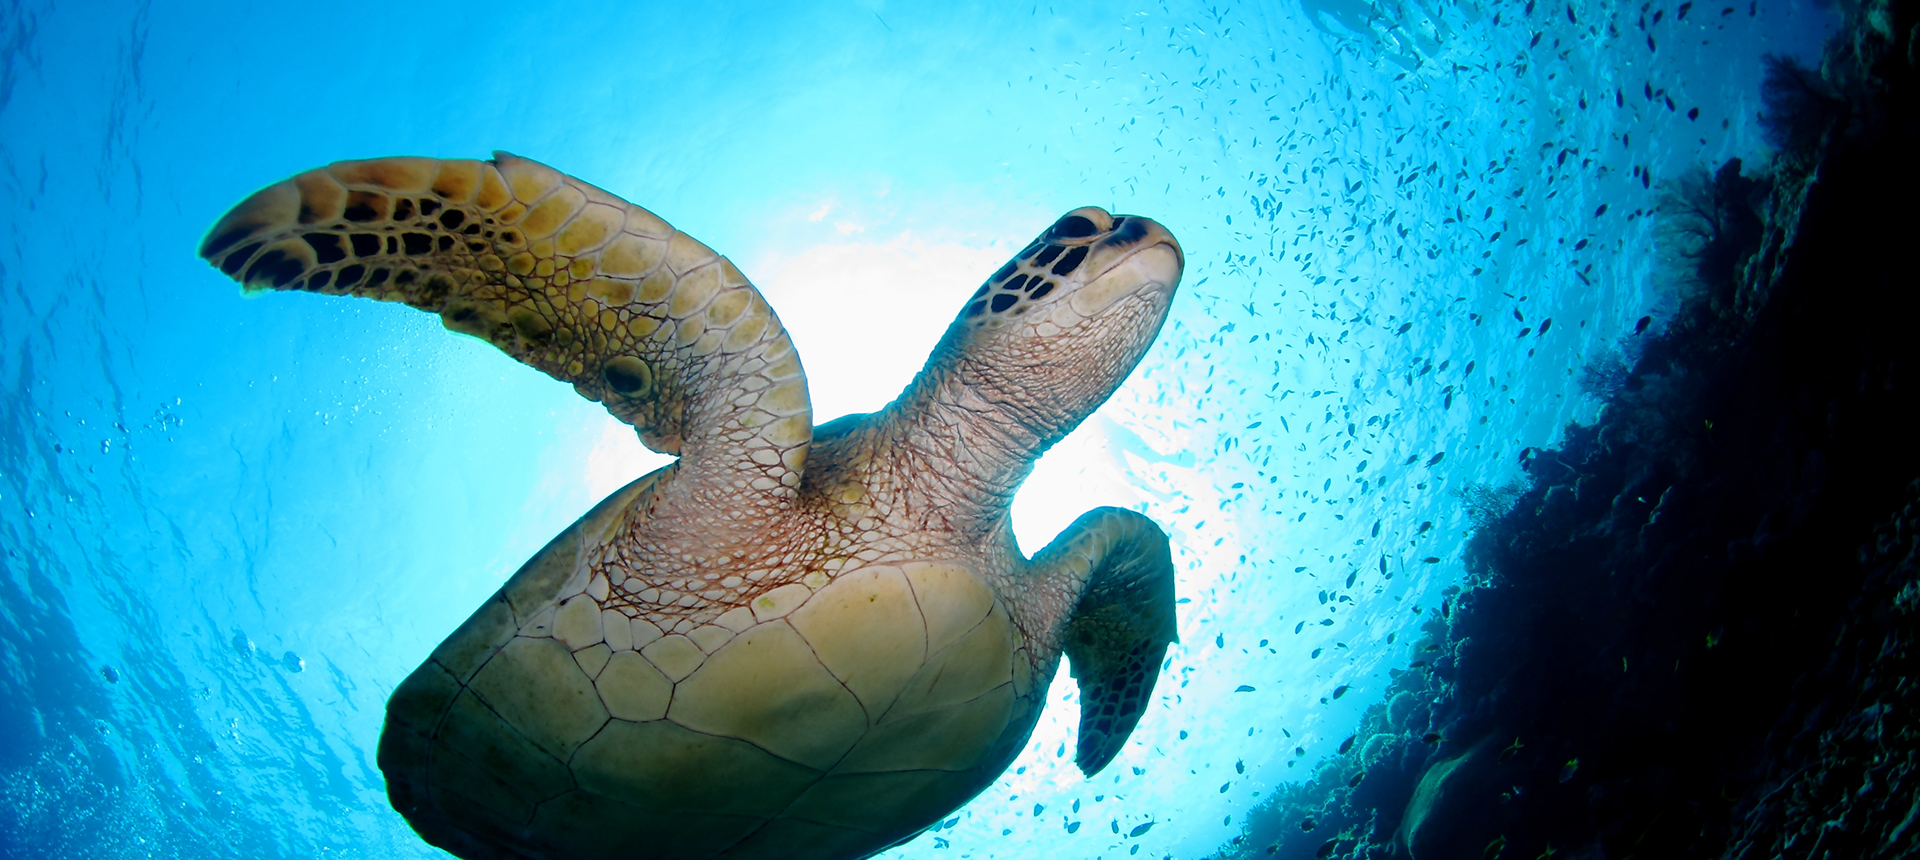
x=231, y=525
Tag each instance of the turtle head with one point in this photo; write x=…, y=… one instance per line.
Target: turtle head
x=1087, y=263
x=1033, y=352
x=1052, y=333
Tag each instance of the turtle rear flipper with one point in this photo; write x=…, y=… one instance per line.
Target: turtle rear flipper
x=1120, y=629
x=559, y=274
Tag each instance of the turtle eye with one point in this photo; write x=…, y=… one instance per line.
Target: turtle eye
x=1072, y=227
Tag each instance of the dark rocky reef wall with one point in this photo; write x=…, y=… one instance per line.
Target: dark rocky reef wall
x=1693, y=632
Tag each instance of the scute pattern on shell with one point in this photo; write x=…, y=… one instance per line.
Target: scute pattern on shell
x=535, y=715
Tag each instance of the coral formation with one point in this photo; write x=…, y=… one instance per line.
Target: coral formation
x=1691, y=633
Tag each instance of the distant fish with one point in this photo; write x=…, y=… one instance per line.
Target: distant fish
x=1641, y=326
x=1567, y=772
x=1513, y=749
x=113, y=676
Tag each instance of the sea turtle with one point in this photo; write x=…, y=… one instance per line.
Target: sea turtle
x=794, y=641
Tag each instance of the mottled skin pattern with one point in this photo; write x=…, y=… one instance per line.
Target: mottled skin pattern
x=794, y=642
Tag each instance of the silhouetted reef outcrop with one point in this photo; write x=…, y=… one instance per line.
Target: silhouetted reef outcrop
x=1693, y=631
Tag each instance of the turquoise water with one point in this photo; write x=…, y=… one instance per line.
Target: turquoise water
x=232, y=524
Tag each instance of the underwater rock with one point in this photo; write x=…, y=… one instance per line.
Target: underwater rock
x=1453, y=811
x=1855, y=767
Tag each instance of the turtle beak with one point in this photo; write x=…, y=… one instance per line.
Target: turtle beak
x=1145, y=259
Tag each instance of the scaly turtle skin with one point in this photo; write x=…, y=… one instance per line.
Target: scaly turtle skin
x=795, y=641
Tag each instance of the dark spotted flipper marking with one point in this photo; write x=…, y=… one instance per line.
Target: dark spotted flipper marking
x=1122, y=626
x=559, y=274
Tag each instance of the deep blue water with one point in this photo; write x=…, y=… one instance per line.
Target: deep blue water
x=232, y=524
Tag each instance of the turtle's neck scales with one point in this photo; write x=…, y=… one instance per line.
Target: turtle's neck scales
x=926, y=489
x=933, y=475
x=959, y=459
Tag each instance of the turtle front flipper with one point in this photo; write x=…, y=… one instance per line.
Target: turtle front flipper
x=1122, y=625
x=559, y=274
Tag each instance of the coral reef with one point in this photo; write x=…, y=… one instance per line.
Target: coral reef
x=1692, y=632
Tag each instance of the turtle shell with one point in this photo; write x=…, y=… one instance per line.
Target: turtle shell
x=828, y=718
